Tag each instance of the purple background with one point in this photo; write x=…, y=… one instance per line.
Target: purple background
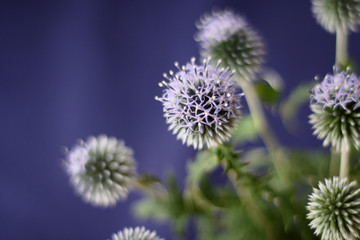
x=70, y=69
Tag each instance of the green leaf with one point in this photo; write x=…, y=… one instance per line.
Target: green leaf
x=240, y=225
x=257, y=159
x=245, y=130
x=151, y=208
x=289, y=108
x=309, y=166
x=148, y=180
x=266, y=92
x=176, y=200
x=220, y=196
x=204, y=162
x=177, y=207
x=207, y=227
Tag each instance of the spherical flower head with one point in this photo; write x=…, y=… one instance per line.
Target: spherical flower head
x=201, y=104
x=335, y=15
x=226, y=36
x=334, y=209
x=139, y=233
x=335, y=104
x=101, y=170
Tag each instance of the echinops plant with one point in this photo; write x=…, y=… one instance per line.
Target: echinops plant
x=270, y=192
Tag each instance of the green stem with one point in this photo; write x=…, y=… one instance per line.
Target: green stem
x=345, y=158
x=258, y=115
x=247, y=199
x=334, y=163
x=341, y=57
x=279, y=157
x=195, y=199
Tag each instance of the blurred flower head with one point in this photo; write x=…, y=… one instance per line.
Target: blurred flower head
x=335, y=103
x=201, y=103
x=138, y=233
x=334, y=209
x=101, y=170
x=226, y=36
x=335, y=15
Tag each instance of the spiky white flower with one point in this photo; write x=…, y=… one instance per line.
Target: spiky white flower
x=334, y=209
x=201, y=104
x=226, y=36
x=101, y=170
x=335, y=15
x=138, y=233
x=335, y=103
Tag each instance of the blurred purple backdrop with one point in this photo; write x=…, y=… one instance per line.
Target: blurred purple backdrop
x=70, y=69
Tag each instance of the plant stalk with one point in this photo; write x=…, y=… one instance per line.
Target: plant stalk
x=341, y=57
x=334, y=163
x=345, y=159
x=259, y=218
x=278, y=156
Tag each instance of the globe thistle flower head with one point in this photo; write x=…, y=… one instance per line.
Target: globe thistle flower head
x=335, y=15
x=334, y=209
x=101, y=170
x=226, y=36
x=201, y=104
x=335, y=104
x=218, y=27
x=138, y=233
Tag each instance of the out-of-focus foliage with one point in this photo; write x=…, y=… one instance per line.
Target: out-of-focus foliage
x=245, y=130
x=290, y=107
x=268, y=94
x=251, y=199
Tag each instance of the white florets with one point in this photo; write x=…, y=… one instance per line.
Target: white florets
x=138, y=233
x=218, y=27
x=334, y=209
x=336, y=15
x=101, y=170
x=226, y=36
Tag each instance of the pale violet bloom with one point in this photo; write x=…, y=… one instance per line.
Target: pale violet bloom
x=226, y=36
x=335, y=103
x=218, y=27
x=340, y=89
x=101, y=169
x=201, y=103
